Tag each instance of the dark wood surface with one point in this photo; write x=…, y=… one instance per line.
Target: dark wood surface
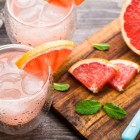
x=92, y=15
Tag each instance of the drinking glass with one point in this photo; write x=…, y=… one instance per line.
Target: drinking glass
x=31, y=34
x=25, y=98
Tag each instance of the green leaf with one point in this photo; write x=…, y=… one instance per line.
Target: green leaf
x=114, y=111
x=88, y=107
x=61, y=87
x=101, y=47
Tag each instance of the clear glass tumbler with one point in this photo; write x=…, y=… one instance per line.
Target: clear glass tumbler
x=29, y=33
x=25, y=99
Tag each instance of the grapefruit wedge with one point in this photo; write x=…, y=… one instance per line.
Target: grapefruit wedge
x=130, y=24
x=94, y=73
x=127, y=71
x=65, y=3
x=56, y=52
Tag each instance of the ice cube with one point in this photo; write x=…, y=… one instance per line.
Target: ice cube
x=10, y=65
x=52, y=14
x=9, y=84
x=22, y=74
x=30, y=15
x=10, y=94
x=8, y=81
x=24, y=3
x=10, y=77
x=31, y=84
x=13, y=58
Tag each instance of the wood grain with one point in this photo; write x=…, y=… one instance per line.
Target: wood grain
x=100, y=125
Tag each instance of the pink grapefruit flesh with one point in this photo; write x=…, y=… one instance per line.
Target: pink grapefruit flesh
x=127, y=71
x=94, y=73
x=130, y=24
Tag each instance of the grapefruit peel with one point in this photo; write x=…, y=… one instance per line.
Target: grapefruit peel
x=127, y=63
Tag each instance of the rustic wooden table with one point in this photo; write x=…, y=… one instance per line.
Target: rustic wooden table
x=92, y=15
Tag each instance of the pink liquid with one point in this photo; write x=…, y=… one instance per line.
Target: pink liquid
x=21, y=95
x=37, y=22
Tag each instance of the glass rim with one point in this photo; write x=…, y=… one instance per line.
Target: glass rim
x=24, y=48
x=26, y=24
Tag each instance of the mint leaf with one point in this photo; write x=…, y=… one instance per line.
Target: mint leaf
x=101, y=47
x=114, y=111
x=88, y=107
x=61, y=87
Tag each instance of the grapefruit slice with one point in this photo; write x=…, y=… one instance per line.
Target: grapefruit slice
x=127, y=71
x=94, y=73
x=130, y=24
x=55, y=52
x=65, y=3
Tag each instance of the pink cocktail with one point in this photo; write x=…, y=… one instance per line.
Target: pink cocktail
x=24, y=98
x=33, y=22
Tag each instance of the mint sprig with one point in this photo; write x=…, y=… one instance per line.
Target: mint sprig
x=88, y=107
x=114, y=111
x=101, y=47
x=61, y=87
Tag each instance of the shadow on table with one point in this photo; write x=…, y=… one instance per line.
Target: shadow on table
x=53, y=128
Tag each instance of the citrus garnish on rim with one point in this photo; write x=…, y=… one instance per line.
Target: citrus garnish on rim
x=56, y=52
x=65, y=3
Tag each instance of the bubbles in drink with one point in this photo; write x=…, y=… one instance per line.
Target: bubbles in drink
x=24, y=3
x=31, y=85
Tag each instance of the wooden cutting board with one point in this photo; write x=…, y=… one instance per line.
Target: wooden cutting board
x=99, y=126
